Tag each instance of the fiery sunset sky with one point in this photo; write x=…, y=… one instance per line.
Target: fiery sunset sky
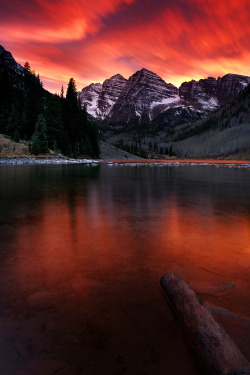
x=93, y=40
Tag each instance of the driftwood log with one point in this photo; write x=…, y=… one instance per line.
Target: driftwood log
x=215, y=349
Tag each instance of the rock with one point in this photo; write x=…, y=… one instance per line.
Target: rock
x=100, y=98
x=143, y=91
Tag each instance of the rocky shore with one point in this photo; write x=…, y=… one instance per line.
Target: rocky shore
x=121, y=162
x=32, y=160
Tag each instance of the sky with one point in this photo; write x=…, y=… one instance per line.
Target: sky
x=90, y=41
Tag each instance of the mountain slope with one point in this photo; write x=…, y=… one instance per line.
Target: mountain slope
x=100, y=98
x=15, y=71
x=146, y=98
x=226, y=131
x=141, y=96
x=28, y=111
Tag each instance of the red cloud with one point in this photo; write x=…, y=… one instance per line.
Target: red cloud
x=93, y=40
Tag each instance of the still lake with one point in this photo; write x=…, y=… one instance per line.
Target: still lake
x=82, y=252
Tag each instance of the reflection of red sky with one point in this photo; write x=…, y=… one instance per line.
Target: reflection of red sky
x=204, y=240
x=70, y=240
x=93, y=237
x=93, y=40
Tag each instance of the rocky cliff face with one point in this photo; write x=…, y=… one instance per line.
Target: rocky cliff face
x=213, y=92
x=111, y=91
x=100, y=98
x=142, y=93
x=229, y=86
x=145, y=97
x=202, y=93
x=89, y=98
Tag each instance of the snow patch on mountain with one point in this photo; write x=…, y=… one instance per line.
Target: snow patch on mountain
x=146, y=97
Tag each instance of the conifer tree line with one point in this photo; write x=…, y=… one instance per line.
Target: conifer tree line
x=46, y=121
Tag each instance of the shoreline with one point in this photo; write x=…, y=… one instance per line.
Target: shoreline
x=44, y=160
x=131, y=162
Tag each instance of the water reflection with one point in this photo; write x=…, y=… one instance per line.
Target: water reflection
x=77, y=241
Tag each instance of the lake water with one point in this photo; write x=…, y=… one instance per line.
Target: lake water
x=82, y=252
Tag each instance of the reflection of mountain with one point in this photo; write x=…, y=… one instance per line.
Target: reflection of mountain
x=145, y=98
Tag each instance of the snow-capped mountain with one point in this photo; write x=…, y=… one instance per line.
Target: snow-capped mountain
x=145, y=97
x=99, y=98
x=89, y=98
x=143, y=92
x=202, y=93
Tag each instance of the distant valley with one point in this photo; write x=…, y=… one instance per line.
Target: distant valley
x=142, y=115
x=149, y=117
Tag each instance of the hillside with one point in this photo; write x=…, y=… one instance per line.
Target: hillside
x=28, y=111
x=109, y=152
x=145, y=98
x=12, y=149
x=226, y=131
x=9, y=148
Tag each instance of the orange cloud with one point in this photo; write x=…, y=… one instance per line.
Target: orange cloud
x=178, y=40
x=55, y=21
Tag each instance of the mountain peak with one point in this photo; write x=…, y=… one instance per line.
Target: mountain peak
x=145, y=72
x=117, y=76
x=146, y=97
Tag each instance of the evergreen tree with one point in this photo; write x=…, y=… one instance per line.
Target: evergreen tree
x=54, y=123
x=13, y=123
x=34, y=103
x=93, y=136
x=73, y=118
x=155, y=147
x=6, y=100
x=71, y=95
x=39, y=143
x=62, y=93
x=87, y=148
x=39, y=81
x=16, y=136
x=27, y=66
x=170, y=152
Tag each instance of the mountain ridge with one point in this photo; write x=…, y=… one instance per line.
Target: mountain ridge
x=145, y=98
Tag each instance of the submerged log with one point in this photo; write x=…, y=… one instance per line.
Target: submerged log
x=215, y=349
